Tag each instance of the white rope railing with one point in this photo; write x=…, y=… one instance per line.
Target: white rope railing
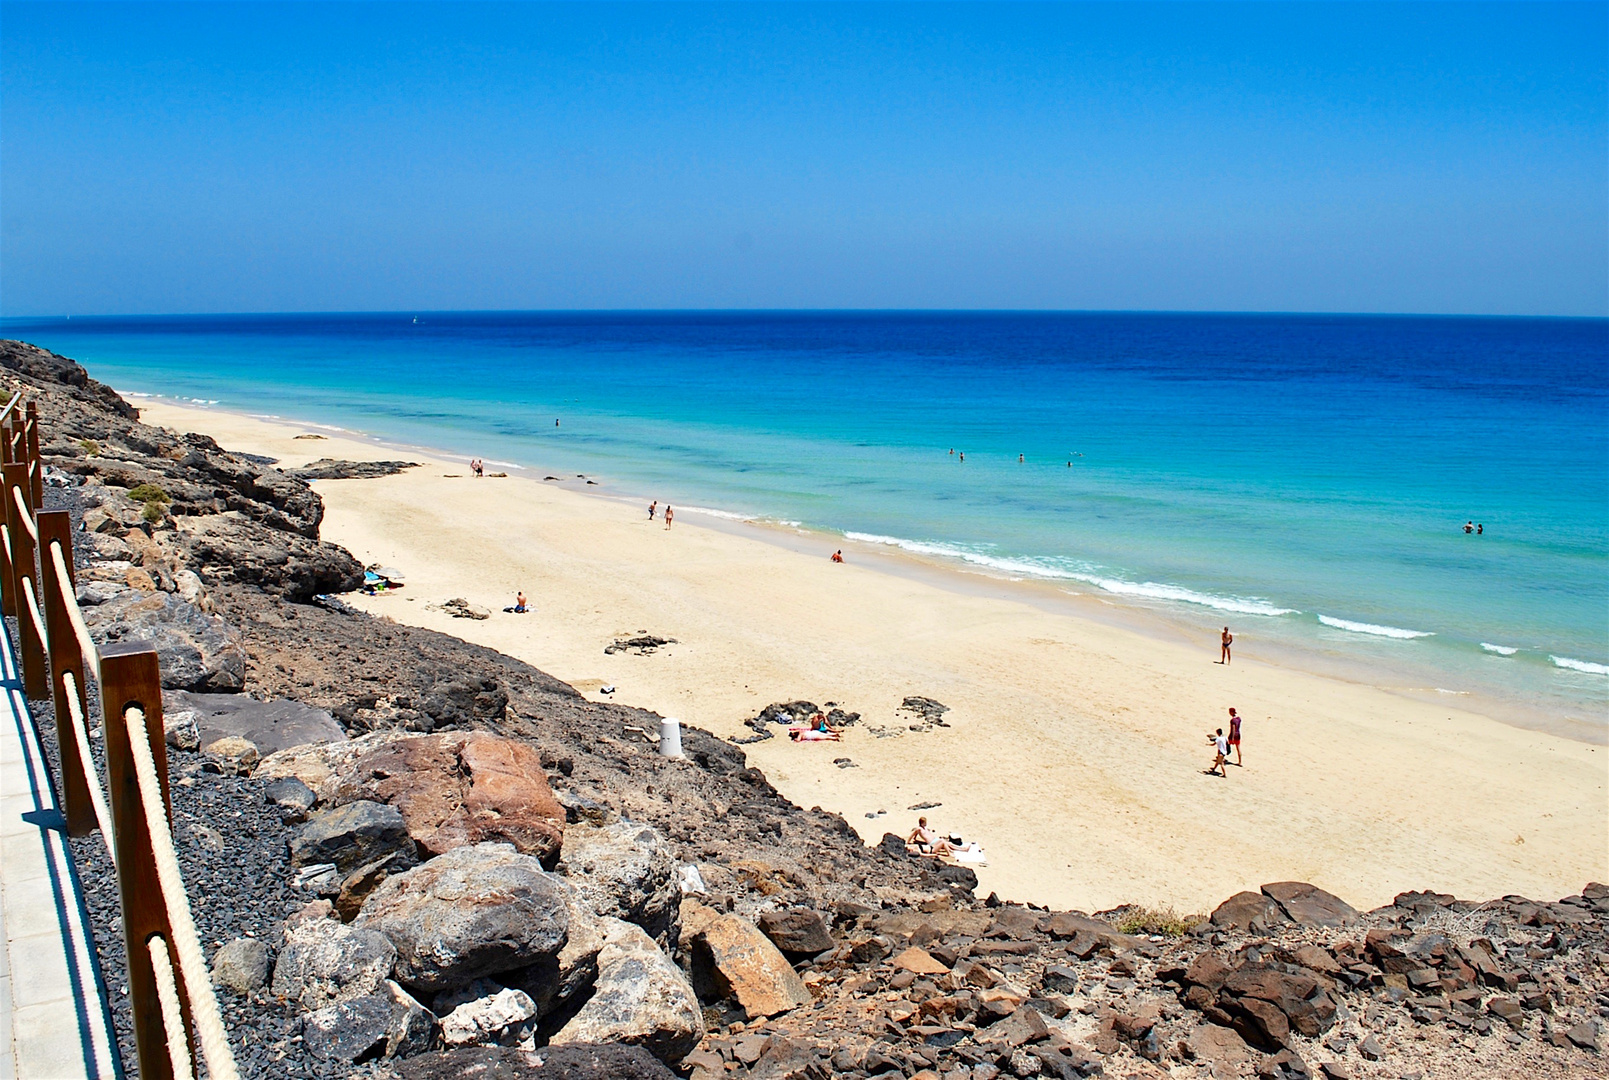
x=12, y=404
x=33, y=611
x=86, y=764
x=214, y=1039
x=75, y=615
x=167, y=992
x=23, y=513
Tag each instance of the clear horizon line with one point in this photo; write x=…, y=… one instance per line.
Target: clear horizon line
x=407, y=312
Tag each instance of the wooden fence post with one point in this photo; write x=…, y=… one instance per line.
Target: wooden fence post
x=36, y=466
x=56, y=527
x=35, y=679
x=130, y=676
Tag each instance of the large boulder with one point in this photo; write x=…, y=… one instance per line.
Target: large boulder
x=320, y=765
x=459, y=788
x=731, y=958
x=325, y=962
x=798, y=932
x=269, y=725
x=280, y=562
x=1309, y=905
x=568, y=1061
x=1245, y=911
x=1264, y=1002
x=475, y=911
x=626, y=871
x=641, y=999
x=553, y=982
x=197, y=651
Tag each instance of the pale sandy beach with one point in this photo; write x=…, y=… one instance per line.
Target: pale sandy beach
x=1076, y=746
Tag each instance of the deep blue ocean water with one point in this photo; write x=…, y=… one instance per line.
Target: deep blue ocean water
x=1304, y=478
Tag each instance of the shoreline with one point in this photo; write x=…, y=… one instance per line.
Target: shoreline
x=1171, y=621
x=1091, y=795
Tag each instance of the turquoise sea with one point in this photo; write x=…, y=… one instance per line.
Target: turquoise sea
x=1304, y=478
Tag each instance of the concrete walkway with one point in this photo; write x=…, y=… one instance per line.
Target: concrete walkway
x=53, y=1019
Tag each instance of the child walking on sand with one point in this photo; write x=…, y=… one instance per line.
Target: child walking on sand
x=1221, y=755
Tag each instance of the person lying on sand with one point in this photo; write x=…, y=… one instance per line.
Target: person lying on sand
x=926, y=841
x=812, y=735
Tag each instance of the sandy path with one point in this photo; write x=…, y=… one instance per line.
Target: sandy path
x=1076, y=751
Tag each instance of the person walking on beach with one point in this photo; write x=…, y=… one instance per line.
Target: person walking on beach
x=1226, y=640
x=652, y=507
x=1220, y=761
x=1234, y=736
x=669, y=515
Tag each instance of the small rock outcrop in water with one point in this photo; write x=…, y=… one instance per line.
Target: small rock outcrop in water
x=917, y=977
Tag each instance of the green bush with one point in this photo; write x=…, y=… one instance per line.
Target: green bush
x=149, y=493
x=89, y=446
x=154, y=511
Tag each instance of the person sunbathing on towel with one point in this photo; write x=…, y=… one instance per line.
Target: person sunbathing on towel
x=812, y=735
x=926, y=841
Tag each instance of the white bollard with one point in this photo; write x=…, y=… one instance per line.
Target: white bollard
x=670, y=737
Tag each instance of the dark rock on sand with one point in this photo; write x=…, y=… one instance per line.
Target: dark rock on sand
x=331, y=469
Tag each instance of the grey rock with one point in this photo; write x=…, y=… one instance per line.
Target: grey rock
x=280, y=562
x=293, y=798
x=1371, y=1049
x=271, y=725
x=487, y=1013
x=641, y=999
x=474, y=911
x=1584, y=1035
x=197, y=651
x=553, y=982
x=351, y=836
x=96, y=593
x=799, y=931
x=355, y=1030
x=241, y=965
x=325, y=962
x=179, y=729
x=626, y=871
x=413, y=1027
x=568, y=1061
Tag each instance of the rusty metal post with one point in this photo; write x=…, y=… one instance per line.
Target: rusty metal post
x=130, y=675
x=37, y=466
x=35, y=677
x=55, y=527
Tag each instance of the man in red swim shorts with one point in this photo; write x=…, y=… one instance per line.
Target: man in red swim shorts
x=1234, y=735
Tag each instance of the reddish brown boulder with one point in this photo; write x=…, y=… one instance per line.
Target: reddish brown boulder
x=460, y=788
x=1309, y=905
x=1242, y=909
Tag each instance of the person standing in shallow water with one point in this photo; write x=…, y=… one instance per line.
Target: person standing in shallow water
x=1226, y=640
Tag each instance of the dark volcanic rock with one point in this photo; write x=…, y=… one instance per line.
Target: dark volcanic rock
x=197, y=651
x=797, y=931
x=279, y=563
x=331, y=469
x=557, y=1062
x=1308, y=905
x=269, y=725
x=353, y=835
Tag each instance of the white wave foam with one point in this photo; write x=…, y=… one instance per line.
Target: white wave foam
x=1371, y=628
x=1500, y=650
x=707, y=512
x=1033, y=568
x=1579, y=665
x=503, y=464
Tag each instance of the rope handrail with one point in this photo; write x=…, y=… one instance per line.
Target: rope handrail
x=12, y=404
x=75, y=614
x=92, y=776
x=167, y=992
x=32, y=604
x=214, y=1039
x=24, y=514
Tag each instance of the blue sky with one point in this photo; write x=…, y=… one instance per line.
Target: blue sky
x=1354, y=157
